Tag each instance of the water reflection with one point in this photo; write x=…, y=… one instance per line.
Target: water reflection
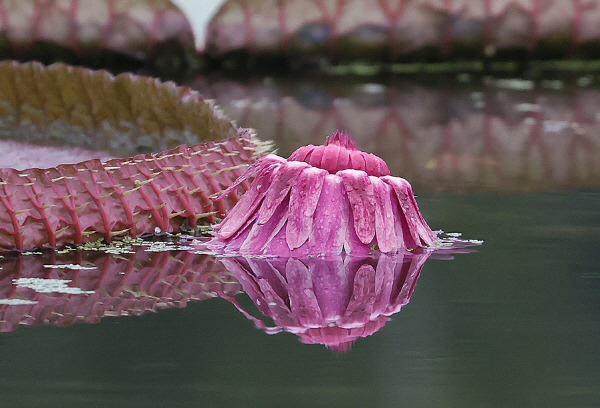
x=441, y=134
x=84, y=286
x=332, y=301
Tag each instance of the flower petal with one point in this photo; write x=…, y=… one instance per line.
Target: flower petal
x=344, y=159
x=257, y=167
x=375, y=166
x=279, y=188
x=303, y=300
x=250, y=201
x=304, y=198
x=330, y=219
x=302, y=153
x=260, y=236
x=384, y=216
x=330, y=159
x=362, y=203
x=418, y=228
x=357, y=160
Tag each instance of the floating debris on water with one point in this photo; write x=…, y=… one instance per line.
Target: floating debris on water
x=553, y=84
x=585, y=80
x=32, y=253
x=17, y=302
x=42, y=285
x=515, y=83
x=528, y=107
x=162, y=242
x=69, y=266
x=556, y=126
x=167, y=246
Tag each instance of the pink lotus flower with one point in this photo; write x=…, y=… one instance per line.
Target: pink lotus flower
x=332, y=301
x=324, y=200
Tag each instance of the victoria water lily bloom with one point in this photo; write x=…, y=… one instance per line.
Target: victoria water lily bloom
x=331, y=301
x=324, y=200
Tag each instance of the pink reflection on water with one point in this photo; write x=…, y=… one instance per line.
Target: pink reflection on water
x=501, y=135
x=84, y=287
x=331, y=301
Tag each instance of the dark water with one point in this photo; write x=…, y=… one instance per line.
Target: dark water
x=516, y=323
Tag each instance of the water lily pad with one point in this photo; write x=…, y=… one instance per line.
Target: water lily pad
x=62, y=105
x=121, y=115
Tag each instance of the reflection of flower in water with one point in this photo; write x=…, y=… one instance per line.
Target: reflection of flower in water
x=331, y=301
x=328, y=199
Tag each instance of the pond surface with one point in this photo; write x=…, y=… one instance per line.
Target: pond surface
x=515, y=323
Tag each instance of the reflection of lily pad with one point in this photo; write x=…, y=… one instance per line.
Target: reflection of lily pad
x=127, y=284
x=469, y=134
x=423, y=31
x=95, y=200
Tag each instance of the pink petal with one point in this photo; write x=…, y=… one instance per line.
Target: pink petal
x=279, y=188
x=314, y=159
x=385, y=280
x=302, y=153
x=352, y=244
x=362, y=202
x=304, y=198
x=344, y=160
x=257, y=167
x=418, y=228
x=303, y=301
x=357, y=159
x=384, y=216
x=261, y=235
x=330, y=219
x=330, y=159
x=250, y=201
x=363, y=296
x=375, y=166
